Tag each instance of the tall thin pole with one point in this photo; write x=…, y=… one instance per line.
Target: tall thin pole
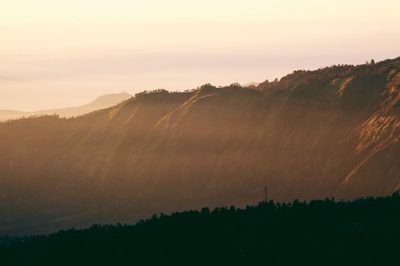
x=266, y=194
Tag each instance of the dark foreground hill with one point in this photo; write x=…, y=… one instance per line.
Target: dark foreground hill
x=324, y=232
x=333, y=132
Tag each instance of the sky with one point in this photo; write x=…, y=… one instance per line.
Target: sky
x=57, y=53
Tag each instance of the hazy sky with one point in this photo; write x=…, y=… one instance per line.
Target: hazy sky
x=58, y=53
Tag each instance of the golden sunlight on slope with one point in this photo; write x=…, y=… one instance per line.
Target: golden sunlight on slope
x=168, y=151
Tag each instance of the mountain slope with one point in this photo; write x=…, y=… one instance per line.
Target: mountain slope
x=100, y=102
x=313, y=134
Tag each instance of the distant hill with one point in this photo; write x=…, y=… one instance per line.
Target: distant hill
x=9, y=115
x=333, y=132
x=99, y=103
x=361, y=232
x=251, y=84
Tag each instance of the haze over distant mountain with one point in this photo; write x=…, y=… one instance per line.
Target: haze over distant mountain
x=10, y=114
x=100, y=102
x=333, y=132
x=251, y=84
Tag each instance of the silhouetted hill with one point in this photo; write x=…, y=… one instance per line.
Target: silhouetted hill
x=333, y=132
x=101, y=102
x=323, y=232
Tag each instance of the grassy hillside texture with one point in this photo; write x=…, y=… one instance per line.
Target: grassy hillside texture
x=333, y=132
x=361, y=232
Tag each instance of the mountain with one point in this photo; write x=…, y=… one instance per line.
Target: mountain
x=101, y=102
x=251, y=84
x=333, y=132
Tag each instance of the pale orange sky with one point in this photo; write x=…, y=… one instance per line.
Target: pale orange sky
x=60, y=53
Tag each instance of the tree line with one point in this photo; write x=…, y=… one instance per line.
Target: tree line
x=321, y=232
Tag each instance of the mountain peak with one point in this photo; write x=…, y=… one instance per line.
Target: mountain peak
x=106, y=98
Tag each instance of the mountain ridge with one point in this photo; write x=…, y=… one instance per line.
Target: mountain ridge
x=332, y=132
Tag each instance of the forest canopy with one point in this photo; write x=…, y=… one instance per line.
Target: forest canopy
x=320, y=232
